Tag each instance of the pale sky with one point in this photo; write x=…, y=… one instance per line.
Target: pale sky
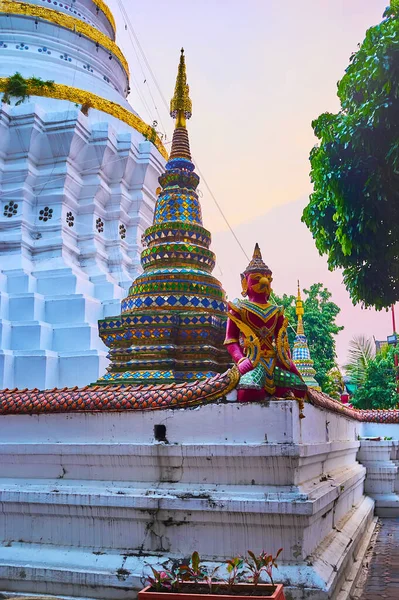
x=259, y=72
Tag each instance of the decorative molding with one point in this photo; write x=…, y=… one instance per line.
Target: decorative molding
x=65, y=92
x=107, y=12
x=66, y=21
x=46, y=214
x=10, y=209
x=100, y=225
x=71, y=10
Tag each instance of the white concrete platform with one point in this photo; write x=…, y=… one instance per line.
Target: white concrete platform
x=88, y=500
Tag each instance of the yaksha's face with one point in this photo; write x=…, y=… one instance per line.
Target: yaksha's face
x=260, y=283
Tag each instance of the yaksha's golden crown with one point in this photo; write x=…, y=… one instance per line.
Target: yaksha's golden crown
x=257, y=265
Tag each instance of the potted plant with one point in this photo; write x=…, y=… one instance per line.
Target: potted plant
x=193, y=580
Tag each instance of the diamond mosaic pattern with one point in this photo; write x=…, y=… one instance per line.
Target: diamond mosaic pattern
x=183, y=301
x=301, y=354
x=178, y=207
x=164, y=375
x=176, y=300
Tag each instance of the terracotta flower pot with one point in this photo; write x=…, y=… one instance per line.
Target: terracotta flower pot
x=193, y=591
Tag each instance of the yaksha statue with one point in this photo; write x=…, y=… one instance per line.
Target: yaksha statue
x=257, y=339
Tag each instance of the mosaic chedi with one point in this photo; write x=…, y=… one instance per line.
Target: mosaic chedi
x=300, y=353
x=172, y=324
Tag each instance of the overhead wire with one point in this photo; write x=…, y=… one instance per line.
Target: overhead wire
x=144, y=56
x=134, y=34
x=163, y=98
x=129, y=28
x=136, y=42
x=141, y=96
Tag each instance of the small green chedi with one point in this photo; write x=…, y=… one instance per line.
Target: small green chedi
x=172, y=325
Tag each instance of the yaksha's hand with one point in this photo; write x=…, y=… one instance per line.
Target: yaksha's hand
x=245, y=366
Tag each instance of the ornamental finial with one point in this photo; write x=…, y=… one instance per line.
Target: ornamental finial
x=300, y=311
x=257, y=252
x=181, y=105
x=257, y=265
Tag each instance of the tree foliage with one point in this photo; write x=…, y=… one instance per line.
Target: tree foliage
x=361, y=352
x=353, y=212
x=335, y=384
x=379, y=387
x=320, y=328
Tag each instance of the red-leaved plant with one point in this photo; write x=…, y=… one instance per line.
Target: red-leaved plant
x=162, y=581
x=233, y=567
x=194, y=571
x=264, y=562
x=237, y=570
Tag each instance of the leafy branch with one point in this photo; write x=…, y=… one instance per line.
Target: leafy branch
x=20, y=88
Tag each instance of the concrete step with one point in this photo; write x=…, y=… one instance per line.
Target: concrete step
x=62, y=282
x=3, y=304
x=76, y=336
x=154, y=515
x=79, y=368
x=19, y=281
x=35, y=369
x=149, y=461
x=100, y=573
x=28, y=335
x=27, y=306
x=5, y=334
x=387, y=505
x=72, y=309
x=71, y=572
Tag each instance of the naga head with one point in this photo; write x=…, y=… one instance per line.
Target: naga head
x=257, y=277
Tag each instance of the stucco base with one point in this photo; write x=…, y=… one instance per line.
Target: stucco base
x=382, y=482
x=89, y=500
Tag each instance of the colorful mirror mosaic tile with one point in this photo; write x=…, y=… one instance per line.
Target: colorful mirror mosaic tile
x=172, y=324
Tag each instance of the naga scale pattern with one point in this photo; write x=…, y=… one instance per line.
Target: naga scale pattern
x=155, y=397
x=119, y=398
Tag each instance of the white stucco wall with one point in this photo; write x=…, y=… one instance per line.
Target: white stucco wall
x=231, y=477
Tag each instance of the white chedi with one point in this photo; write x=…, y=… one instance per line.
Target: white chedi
x=76, y=193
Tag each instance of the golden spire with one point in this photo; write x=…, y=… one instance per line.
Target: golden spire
x=181, y=105
x=299, y=312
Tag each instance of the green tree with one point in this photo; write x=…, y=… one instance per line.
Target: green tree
x=379, y=387
x=353, y=212
x=335, y=385
x=320, y=328
x=361, y=352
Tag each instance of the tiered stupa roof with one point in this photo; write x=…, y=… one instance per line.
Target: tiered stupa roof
x=172, y=324
x=71, y=44
x=301, y=354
